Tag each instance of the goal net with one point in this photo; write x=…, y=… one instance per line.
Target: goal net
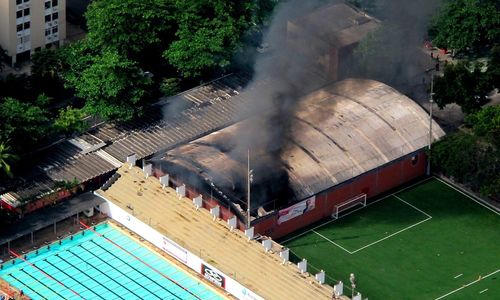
x=357, y=200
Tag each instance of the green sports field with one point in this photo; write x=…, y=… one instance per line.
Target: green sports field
x=428, y=241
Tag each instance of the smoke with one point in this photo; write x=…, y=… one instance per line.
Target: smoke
x=288, y=74
x=287, y=70
x=393, y=54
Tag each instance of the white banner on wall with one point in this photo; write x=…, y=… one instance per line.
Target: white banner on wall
x=296, y=210
x=175, y=250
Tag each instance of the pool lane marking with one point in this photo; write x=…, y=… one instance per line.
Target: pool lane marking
x=468, y=284
x=29, y=288
x=145, y=263
x=107, y=264
x=78, y=282
x=355, y=210
x=458, y=275
x=43, y=272
x=87, y=275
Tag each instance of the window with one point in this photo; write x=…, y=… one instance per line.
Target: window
x=54, y=30
x=27, y=25
x=19, y=2
x=47, y=18
x=19, y=27
x=47, y=32
x=414, y=160
x=26, y=1
x=55, y=16
x=54, y=2
x=26, y=12
x=47, y=5
x=19, y=14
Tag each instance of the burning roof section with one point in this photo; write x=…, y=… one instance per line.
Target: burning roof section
x=338, y=132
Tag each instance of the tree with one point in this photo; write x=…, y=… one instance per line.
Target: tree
x=463, y=24
x=467, y=88
x=486, y=123
x=208, y=34
x=112, y=86
x=170, y=86
x=128, y=26
x=6, y=157
x=493, y=72
x=70, y=120
x=46, y=64
x=3, y=55
x=22, y=123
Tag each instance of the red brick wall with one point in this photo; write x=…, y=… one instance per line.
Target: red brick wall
x=371, y=183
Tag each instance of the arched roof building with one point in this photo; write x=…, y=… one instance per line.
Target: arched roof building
x=339, y=132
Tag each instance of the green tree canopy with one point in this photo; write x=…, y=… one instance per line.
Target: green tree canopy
x=469, y=161
x=6, y=158
x=486, y=123
x=70, y=120
x=493, y=71
x=23, y=123
x=208, y=34
x=467, y=23
x=46, y=64
x=112, y=86
x=128, y=25
x=467, y=88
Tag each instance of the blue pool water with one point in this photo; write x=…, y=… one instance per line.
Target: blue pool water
x=91, y=266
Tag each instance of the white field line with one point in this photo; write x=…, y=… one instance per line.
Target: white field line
x=332, y=242
x=384, y=238
x=458, y=275
x=391, y=235
x=468, y=284
x=468, y=196
x=429, y=216
x=353, y=211
x=483, y=291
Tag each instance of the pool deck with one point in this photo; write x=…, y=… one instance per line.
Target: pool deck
x=231, y=252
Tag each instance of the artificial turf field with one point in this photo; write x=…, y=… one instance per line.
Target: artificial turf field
x=428, y=241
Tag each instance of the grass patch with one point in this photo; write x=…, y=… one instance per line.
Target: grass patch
x=409, y=261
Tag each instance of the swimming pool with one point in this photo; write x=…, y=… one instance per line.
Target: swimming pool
x=101, y=263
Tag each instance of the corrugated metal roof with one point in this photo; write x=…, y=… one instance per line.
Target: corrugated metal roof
x=341, y=131
x=207, y=108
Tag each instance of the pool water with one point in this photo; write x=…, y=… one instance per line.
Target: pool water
x=105, y=264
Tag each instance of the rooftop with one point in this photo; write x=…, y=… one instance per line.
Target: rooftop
x=167, y=124
x=340, y=131
x=338, y=24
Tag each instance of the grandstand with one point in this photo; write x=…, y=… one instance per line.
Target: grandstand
x=236, y=262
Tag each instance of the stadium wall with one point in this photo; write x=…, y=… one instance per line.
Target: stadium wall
x=206, y=270
x=371, y=183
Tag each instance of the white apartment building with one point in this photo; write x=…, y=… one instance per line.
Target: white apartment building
x=27, y=26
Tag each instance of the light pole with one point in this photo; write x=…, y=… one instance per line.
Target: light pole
x=249, y=181
x=431, y=101
x=352, y=279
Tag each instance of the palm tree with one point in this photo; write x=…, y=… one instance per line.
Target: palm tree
x=5, y=158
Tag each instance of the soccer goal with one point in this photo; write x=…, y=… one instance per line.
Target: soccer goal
x=359, y=199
